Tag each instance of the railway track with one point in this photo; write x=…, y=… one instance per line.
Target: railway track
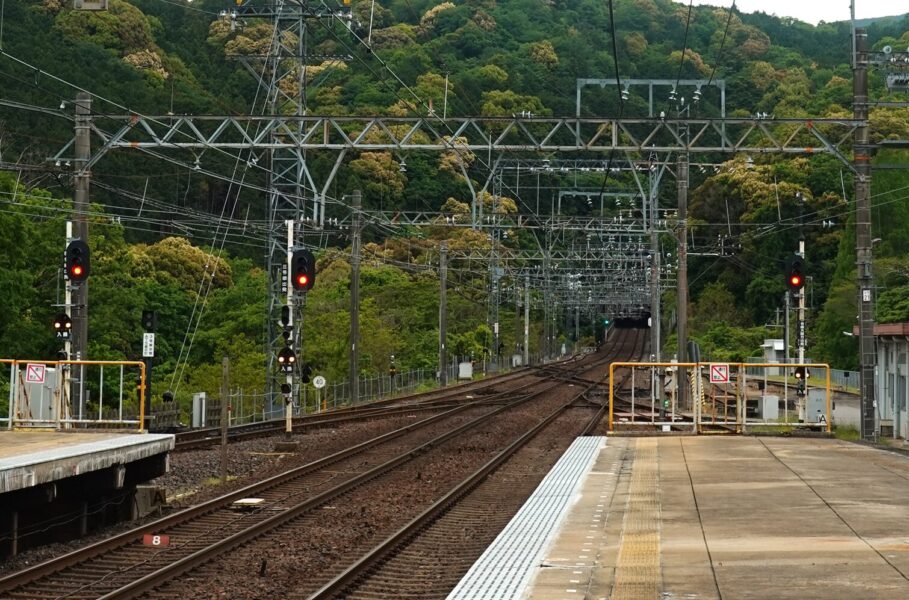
x=122, y=567
x=427, y=557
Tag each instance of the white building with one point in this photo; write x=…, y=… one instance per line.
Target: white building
x=892, y=383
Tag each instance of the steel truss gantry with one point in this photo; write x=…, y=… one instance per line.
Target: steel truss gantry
x=492, y=135
x=282, y=76
x=496, y=135
x=490, y=139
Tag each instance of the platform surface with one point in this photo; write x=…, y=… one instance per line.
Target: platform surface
x=730, y=518
x=29, y=458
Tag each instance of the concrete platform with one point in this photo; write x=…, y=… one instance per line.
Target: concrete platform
x=734, y=518
x=30, y=458
x=56, y=486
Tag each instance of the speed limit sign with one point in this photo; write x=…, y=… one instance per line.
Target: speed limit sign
x=318, y=381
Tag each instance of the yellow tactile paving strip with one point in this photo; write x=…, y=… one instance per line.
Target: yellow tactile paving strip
x=637, y=574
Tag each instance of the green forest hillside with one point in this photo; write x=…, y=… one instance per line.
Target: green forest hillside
x=186, y=243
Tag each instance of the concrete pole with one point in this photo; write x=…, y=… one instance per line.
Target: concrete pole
x=354, y=376
x=443, y=313
x=82, y=181
x=225, y=401
x=683, y=272
x=655, y=317
x=801, y=335
x=800, y=338
x=526, y=357
x=862, y=159
x=547, y=308
x=577, y=324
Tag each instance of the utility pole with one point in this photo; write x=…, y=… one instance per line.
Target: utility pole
x=443, y=312
x=547, y=308
x=82, y=181
x=863, y=250
x=225, y=414
x=577, y=320
x=526, y=357
x=655, y=317
x=682, y=178
x=800, y=326
x=355, y=300
x=494, y=356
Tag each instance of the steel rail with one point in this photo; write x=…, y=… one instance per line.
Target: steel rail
x=174, y=570
x=48, y=568
x=379, y=553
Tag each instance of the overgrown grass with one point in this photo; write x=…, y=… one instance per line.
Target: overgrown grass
x=770, y=429
x=212, y=481
x=847, y=433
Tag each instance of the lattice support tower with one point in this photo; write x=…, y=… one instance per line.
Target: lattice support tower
x=292, y=194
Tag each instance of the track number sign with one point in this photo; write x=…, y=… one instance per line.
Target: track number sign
x=151, y=539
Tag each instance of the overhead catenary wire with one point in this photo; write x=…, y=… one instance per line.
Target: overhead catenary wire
x=206, y=283
x=618, y=88
x=201, y=296
x=40, y=72
x=719, y=55
x=678, y=76
x=615, y=58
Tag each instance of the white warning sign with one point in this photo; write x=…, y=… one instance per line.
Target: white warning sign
x=719, y=373
x=34, y=372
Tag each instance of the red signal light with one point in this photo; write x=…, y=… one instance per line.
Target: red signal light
x=77, y=261
x=795, y=274
x=303, y=270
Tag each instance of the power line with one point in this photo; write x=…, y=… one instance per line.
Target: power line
x=716, y=62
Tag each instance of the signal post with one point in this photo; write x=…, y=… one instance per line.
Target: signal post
x=301, y=269
x=795, y=280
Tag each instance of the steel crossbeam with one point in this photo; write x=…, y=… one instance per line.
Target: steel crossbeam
x=497, y=134
x=601, y=226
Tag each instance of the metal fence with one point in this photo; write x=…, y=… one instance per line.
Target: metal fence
x=839, y=379
x=250, y=407
x=378, y=387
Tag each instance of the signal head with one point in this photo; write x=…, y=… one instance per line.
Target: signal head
x=63, y=325
x=303, y=270
x=286, y=359
x=77, y=264
x=795, y=273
